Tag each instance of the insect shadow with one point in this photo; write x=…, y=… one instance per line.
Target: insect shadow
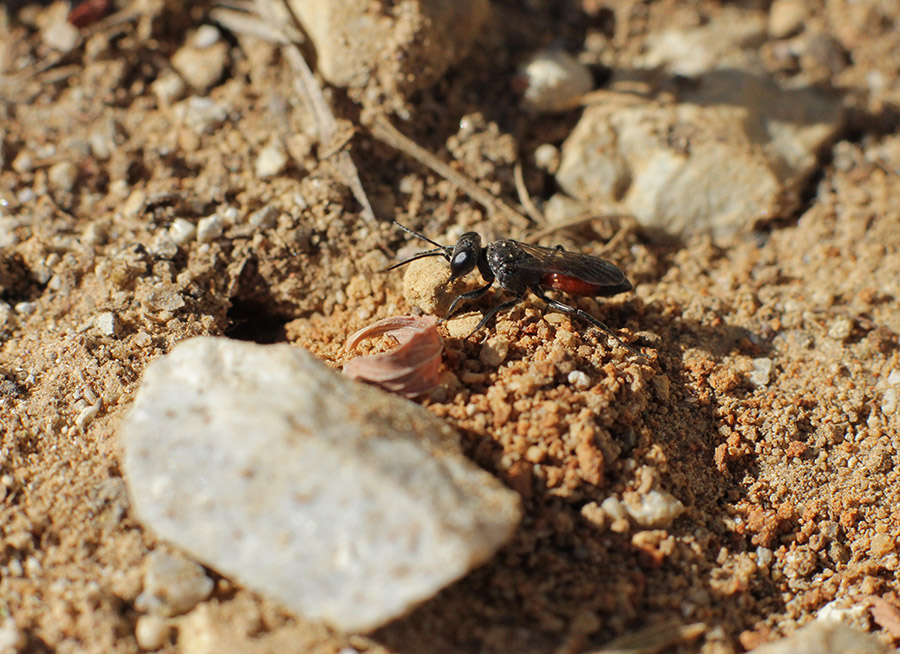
x=521, y=267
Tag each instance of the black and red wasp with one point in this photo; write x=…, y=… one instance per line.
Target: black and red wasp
x=520, y=267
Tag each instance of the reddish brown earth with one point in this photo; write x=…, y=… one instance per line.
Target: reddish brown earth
x=768, y=404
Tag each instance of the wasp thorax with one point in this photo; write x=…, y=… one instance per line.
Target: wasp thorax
x=465, y=255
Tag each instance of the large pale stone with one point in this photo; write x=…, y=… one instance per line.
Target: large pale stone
x=732, y=150
x=389, y=47
x=341, y=501
x=822, y=637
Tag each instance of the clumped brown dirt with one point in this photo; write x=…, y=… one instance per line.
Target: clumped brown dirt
x=768, y=403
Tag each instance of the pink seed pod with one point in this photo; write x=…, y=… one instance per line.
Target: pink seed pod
x=412, y=369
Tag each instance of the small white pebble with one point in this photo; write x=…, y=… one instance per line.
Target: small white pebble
x=654, y=508
x=209, y=228
x=172, y=585
x=151, y=632
x=494, y=351
x=265, y=217
x=547, y=157
x=86, y=415
x=182, y=231
x=61, y=35
x=62, y=176
x=889, y=401
x=764, y=557
x=271, y=160
x=202, y=115
x=554, y=81
x=26, y=308
x=168, y=88
x=12, y=639
x=613, y=508
x=841, y=328
x=762, y=371
x=33, y=567
x=95, y=234
x=230, y=215
x=206, y=36
x=163, y=245
x=107, y=323
x=786, y=18
x=579, y=379
x=894, y=378
x=23, y=163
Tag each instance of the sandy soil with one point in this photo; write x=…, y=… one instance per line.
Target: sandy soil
x=768, y=405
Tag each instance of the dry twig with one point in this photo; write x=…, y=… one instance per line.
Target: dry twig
x=653, y=639
x=384, y=131
x=524, y=198
x=274, y=25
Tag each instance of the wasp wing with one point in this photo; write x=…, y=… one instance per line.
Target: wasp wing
x=584, y=267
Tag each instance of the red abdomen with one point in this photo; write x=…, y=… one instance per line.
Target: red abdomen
x=568, y=284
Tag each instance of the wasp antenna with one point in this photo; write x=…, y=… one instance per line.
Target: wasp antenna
x=437, y=252
x=418, y=235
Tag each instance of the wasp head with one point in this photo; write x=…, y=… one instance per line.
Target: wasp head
x=465, y=255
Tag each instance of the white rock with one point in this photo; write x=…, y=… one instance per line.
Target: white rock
x=201, y=68
x=612, y=507
x=730, y=40
x=163, y=245
x=554, y=81
x=840, y=328
x=62, y=176
x=102, y=139
x=889, y=401
x=60, y=35
x=172, y=585
x=579, y=379
x=182, y=231
x=201, y=115
x=656, y=509
x=341, y=501
x=12, y=639
x=745, y=144
x=161, y=296
x=265, y=217
x=546, y=157
x=151, y=632
x=271, y=160
x=762, y=371
x=401, y=50
x=87, y=414
x=210, y=228
x=23, y=163
x=825, y=638
x=206, y=36
x=107, y=323
x=25, y=308
x=168, y=88
x=494, y=351
x=95, y=233
x=561, y=208
x=786, y=18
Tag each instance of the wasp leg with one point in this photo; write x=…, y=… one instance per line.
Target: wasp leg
x=584, y=315
x=497, y=309
x=471, y=295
